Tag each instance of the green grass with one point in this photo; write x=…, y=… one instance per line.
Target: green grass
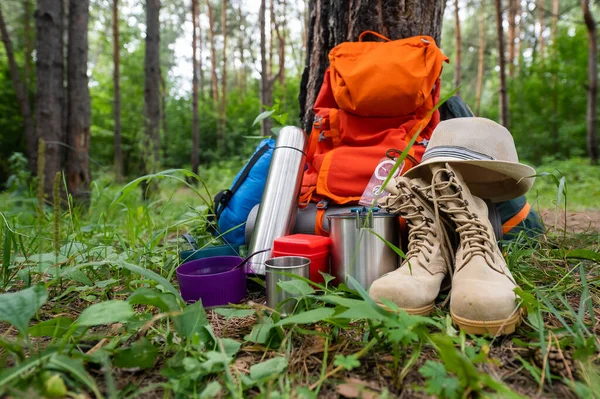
x=90, y=305
x=582, y=185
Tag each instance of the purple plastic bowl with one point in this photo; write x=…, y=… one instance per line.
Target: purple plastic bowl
x=212, y=280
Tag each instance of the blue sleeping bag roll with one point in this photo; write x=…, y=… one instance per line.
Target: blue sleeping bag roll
x=233, y=206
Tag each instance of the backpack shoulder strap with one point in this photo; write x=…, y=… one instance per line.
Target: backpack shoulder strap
x=224, y=196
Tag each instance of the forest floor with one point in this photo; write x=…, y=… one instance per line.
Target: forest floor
x=91, y=308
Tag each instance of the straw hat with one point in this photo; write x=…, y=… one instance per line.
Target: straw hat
x=484, y=153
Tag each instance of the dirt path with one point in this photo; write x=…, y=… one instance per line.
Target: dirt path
x=577, y=222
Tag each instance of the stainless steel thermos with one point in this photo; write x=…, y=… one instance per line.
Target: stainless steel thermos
x=280, y=199
x=356, y=251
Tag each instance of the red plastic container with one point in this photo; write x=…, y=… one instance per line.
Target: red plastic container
x=313, y=247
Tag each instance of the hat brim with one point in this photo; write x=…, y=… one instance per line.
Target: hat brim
x=488, y=179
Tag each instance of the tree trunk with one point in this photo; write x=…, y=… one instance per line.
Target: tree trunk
x=27, y=70
x=213, y=53
x=223, y=112
x=78, y=116
x=518, y=29
x=512, y=14
x=480, y=58
x=200, y=57
x=242, y=32
x=281, y=40
x=266, y=94
x=117, y=93
x=20, y=88
x=540, y=14
x=152, y=88
x=503, y=96
x=195, y=132
x=458, y=45
x=332, y=22
x=592, y=86
x=50, y=87
x=554, y=20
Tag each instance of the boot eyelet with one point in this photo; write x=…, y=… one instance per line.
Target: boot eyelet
x=420, y=208
x=466, y=203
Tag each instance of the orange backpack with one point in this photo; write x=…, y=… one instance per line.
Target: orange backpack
x=374, y=97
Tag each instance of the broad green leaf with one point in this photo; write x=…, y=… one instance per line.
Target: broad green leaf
x=108, y=312
x=215, y=361
x=141, y=354
x=76, y=369
x=261, y=116
x=55, y=327
x=17, y=308
x=311, y=316
x=191, y=321
x=439, y=383
x=212, y=390
x=268, y=369
x=80, y=277
x=576, y=254
x=229, y=346
x=296, y=287
x=165, y=301
x=13, y=373
x=152, y=276
x=230, y=313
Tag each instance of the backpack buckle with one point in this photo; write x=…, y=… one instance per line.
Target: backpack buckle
x=318, y=122
x=323, y=204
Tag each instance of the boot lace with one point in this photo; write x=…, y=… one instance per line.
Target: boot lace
x=475, y=238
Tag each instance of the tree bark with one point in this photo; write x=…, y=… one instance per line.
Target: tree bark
x=458, y=45
x=332, y=22
x=502, y=89
x=152, y=88
x=28, y=42
x=554, y=20
x=281, y=40
x=480, y=59
x=213, y=53
x=195, y=161
x=20, y=88
x=50, y=87
x=78, y=116
x=117, y=93
x=241, y=34
x=223, y=112
x=266, y=95
x=512, y=14
x=592, y=86
x=540, y=14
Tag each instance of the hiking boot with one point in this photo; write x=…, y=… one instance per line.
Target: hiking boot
x=415, y=285
x=482, y=298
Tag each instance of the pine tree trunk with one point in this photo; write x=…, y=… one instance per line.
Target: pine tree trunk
x=332, y=22
x=512, y=13
x=281, y=39
x=458, y=45
x=117, y=93
x=78, y=119
x=195, y=132
x=50, y=93
x=152, y=88
x=540, y=15
x=266, y=94
x=213, y=53
x=480, y=59
x=502, y=89
x=28, y=41
x=20, y=88
x=223, y=111
x=554, y=20
x=592, y=85
x=241, y=34
x=518, y=29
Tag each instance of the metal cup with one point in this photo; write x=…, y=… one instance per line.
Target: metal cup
x=274, y=268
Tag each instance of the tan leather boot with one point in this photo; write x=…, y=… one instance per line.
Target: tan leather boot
x=415, y=285
x=482, y=298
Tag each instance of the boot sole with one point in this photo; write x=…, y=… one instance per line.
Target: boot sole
x=424, y=311
x=492, y=327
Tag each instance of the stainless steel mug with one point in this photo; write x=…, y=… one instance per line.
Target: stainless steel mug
x=356, y=251
x=274, y=267
x=279, y=201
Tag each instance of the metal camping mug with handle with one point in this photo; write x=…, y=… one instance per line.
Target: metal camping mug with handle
x=356, y=251
x=274, y=268
x=279, y=202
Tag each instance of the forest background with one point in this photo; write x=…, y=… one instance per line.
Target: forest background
x=243, y=61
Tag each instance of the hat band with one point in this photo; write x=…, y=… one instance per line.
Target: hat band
x=455, y=152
